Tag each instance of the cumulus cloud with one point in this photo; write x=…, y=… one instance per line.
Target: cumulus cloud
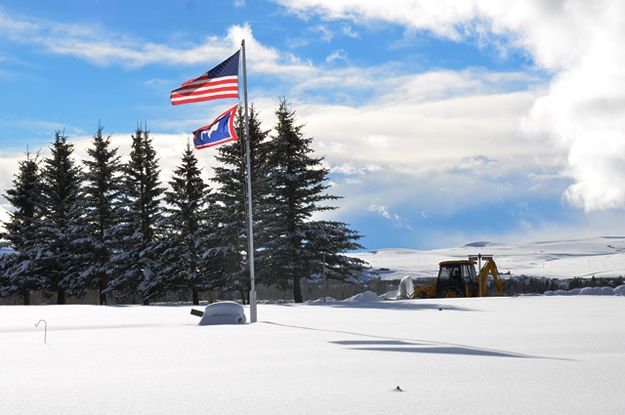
x=579, y=42
x=438, y=141
x=445, y=128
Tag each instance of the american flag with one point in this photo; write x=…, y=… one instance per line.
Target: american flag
x=220, y=82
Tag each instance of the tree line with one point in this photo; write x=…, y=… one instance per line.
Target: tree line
x=525, y=285
x=114, y=227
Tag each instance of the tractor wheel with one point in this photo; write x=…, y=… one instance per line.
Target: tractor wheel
x=452, y=292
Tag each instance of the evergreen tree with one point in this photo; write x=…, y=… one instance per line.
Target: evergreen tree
x=231, y=204
x=326, y=242
x=133, y=262
x=25, y=197
x=298, y=182
x=101, y=201
x=58, y=230
x=188, y=228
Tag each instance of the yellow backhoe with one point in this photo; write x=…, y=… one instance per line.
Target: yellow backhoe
x=459, y=279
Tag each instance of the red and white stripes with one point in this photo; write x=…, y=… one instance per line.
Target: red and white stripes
x=204, y=88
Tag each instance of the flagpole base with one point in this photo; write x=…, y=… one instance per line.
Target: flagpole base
x=253, y=316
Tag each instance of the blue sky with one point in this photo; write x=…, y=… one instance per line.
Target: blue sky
x=442, y=124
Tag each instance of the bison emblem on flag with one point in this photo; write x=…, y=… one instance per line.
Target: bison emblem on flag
x=220, y=131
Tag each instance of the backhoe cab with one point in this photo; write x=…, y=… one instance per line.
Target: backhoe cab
x=459, y=279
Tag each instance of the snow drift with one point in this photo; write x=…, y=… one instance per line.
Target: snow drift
x=620, y=290
x=323, y=300
x=365, y=297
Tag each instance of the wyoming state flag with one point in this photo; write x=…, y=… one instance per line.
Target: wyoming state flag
x=220, y=131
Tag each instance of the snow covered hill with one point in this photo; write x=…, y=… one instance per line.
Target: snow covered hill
x=600, y=256
x=512, y=355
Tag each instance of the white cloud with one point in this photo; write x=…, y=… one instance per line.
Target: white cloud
x=477, y=163
x=396, y=219
x=436, y=16
x=337, y=55
x=100, y=46
x=325, y=33
x=349, y=31
x=437, y=142
x=578, y=41
x=352, y=170
x=381, y=210
x=430, y=134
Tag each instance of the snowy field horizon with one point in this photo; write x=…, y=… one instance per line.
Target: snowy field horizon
x=600, y=256
x=525, y=354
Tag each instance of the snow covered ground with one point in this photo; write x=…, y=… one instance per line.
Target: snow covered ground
x=599, y=256
x=512, y=355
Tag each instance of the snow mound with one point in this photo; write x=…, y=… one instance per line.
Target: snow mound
x=620, y=290
x=597, y=291
x=367, y=296
x=574, y=291
x=224, y=312
x=323, y=300
x=389, y=295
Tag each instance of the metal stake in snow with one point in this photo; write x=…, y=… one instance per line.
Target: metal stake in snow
x=45, y=329
x=250, y=230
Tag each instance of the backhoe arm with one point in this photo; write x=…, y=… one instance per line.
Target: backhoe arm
x=489, y=268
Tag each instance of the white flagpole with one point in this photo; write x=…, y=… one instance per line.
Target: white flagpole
x=250, y=230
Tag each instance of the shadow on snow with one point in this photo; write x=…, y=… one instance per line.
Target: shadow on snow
x=389, y=305
x=403, y=345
